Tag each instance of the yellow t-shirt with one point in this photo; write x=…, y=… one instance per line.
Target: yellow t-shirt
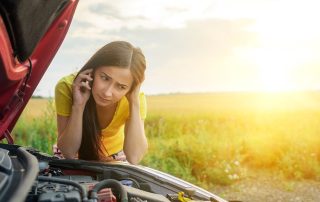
x=113, y=134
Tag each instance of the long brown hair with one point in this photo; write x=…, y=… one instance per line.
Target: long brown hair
x=120, y=54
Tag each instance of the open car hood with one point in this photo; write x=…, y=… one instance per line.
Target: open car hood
x=31, y=32
x=28, y=175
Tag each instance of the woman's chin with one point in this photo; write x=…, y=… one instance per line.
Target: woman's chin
x=104, y=104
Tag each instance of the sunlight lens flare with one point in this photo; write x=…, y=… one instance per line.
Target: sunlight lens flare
x=274, y=70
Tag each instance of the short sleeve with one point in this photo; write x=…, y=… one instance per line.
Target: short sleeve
x=143, y=106
x=63, y=97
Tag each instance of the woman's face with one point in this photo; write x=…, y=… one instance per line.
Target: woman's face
x=110, y=84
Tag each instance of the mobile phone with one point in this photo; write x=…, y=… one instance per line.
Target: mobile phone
x=82, y=88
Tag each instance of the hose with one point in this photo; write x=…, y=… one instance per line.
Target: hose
x=109, y=183
x=63, y=181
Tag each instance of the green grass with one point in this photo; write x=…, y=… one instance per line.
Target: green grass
x=217, y=138
x=37, y=131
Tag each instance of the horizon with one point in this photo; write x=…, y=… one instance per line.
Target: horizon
x=297, y=92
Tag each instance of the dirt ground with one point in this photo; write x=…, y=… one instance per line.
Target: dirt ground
x=269, y=188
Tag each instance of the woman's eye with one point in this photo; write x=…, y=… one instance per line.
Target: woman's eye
x=121, y=87
x=104, y=78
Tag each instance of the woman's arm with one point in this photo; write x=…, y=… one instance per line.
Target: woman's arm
x=70, y=132
x=70, y=128
x=135, y=143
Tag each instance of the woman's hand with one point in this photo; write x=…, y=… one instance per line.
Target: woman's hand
x=133, y=95
x=135, y=142
x=81, y=87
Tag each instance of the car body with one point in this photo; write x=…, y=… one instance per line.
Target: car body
x=31, y=32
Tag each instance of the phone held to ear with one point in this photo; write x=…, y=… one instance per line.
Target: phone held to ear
x=82, y=88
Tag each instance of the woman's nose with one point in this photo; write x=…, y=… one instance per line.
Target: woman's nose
x=108, y=91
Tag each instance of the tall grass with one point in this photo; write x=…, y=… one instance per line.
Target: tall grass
x=217, y=138
x=221, y=138
x=217, y=149
x=37, y=131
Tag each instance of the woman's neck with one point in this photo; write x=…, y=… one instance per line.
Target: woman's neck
x=105, y=114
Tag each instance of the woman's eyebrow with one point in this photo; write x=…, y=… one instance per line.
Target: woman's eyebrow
x=123, y=85
x=105, y=74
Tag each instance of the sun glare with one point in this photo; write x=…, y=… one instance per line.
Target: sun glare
x=273, y=70
x=284, y=46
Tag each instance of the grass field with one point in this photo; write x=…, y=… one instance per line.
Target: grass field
x=214, y=138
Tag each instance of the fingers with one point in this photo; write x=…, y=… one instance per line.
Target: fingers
x=136, y=90
x=83, y=80
x=85, y=76
x=87, y=71
x=85, y=85
x=133, y=94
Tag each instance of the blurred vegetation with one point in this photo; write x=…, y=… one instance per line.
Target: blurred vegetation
x=214, y=138
x=37, y=126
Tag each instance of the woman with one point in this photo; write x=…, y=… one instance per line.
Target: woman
x=100, y=111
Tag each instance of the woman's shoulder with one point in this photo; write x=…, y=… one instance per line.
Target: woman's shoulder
x=64, y=85
x=141, y=94
x=124, y=99
x=68, y=79
x=123, y=104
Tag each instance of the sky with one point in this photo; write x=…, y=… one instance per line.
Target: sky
x=201, y=46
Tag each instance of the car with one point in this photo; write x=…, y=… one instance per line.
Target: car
x=31, y=32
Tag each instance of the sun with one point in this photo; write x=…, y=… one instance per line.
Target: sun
x=274, y=70
x=283, y=48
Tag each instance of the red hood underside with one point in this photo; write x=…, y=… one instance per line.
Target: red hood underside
x=18, y=79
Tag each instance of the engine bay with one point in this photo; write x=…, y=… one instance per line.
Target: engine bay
x=29, y=175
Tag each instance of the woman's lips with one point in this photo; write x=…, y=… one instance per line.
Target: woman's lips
x=105, y=99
